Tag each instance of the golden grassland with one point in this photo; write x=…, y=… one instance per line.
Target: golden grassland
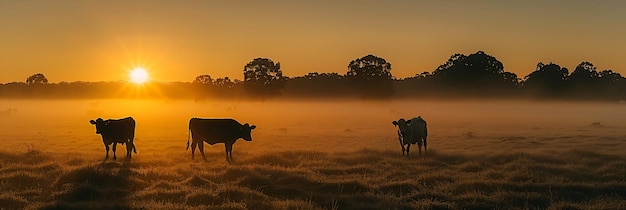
x=323, y=156
x=365, y=179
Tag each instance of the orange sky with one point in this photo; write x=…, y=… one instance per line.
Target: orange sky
x=69, y=40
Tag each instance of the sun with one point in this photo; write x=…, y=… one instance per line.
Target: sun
x=139, y=75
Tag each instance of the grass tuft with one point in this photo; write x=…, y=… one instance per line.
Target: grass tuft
x=10, y=201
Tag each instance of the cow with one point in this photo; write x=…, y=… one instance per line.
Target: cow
x=410, y=132
x=116, y=131
x=215, y=131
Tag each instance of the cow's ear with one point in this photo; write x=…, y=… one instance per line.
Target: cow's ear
x=252, y=127
x=92, y=122
x=408, y=122
x=394, y=123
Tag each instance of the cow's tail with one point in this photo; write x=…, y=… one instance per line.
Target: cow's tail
x=188, y=135
x=134, y=148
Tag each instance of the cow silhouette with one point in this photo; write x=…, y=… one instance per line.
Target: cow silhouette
x=214, y=131
x=410, y=132
x=114, y=131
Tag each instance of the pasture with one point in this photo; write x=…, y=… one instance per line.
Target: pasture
x=317, y=155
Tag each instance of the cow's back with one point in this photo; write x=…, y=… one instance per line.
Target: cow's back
x=417, y=130
x=214, y=130
x=121, y=129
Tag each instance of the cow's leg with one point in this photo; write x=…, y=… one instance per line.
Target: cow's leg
x=201, y=148
x=107, y=147
x=419, y=144
x=132, y=143
x=129, y=148
x=226, y=149
x=424, y=144
x=193, y=147
x=125, y=143
x=114, y=147
x=408, y=148
x=229, y=151
x=401, y=144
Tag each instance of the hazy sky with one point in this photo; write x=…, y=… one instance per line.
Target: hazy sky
x=178, y=40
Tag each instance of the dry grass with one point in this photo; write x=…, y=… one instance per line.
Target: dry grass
x=364, y=179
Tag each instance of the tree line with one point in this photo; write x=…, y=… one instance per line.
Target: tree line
x=465, y=76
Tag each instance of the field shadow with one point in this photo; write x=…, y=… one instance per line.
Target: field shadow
x=106, y=185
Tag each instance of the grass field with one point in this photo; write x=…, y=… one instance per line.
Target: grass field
x=482, y=155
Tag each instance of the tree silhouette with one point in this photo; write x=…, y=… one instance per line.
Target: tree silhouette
x=478, y=71
x=608, y=76
x=585, y=71
x=546, y=80
x=203, y=79
x=586, y=82
x=225, y=82
x=323, y=76
x=369, y=67
x=264, y=77
x=371, y=75
x=37, y=79
x=330, y=85
x=584, y=79
x=474, y=75
x=422, y=75
x=612, y=84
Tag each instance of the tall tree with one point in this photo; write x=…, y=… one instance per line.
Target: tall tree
x=546, y=80
x=37, y=79
x=371, y=75
x=587, y=82
x=584, y=78
x=585, y=71
x=369, y=67
x=203, y=79
x=475, y=71
x=263, y=76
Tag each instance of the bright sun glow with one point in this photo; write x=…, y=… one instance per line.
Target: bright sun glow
x=138, y=76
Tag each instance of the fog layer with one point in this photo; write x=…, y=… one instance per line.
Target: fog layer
x=469, y=126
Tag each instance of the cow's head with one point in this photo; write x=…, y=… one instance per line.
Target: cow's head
x=99, y=125
x=403, y=125
x=246, y=130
